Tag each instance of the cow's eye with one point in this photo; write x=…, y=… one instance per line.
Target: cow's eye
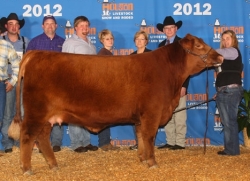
x=198, y=46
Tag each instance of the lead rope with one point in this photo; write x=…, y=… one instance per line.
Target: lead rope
x=205, y=134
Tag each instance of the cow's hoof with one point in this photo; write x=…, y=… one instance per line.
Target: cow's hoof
x=54, y=168
x=29, y=172
x=144, y=162
x=154, y=166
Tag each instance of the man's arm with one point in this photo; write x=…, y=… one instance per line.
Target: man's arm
x=67, y=47
x=14, y=60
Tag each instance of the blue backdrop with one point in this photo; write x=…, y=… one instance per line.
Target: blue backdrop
x=204, y=19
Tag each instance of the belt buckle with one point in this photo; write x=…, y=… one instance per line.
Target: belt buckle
x=220, y=88
x=3, y=80
x=233, y=85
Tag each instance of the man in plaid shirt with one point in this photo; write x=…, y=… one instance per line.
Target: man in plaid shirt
x=7, y=55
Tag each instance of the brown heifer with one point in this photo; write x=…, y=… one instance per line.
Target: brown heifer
x=99, y=91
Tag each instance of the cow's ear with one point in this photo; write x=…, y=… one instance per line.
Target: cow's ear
x=184, y=41
x=187, y=42
x=199, y=43
x=188, y=35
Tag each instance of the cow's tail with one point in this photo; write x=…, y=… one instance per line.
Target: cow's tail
x=14, y=129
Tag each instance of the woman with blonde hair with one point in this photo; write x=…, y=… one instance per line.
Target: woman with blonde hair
x=141, y=41
x=229, y=91
x=107, y=39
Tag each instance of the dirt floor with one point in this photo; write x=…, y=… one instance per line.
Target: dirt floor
x=190, y=164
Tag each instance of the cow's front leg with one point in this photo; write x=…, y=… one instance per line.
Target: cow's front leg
x=149, y=151
x=140, y=143
x=148, y=132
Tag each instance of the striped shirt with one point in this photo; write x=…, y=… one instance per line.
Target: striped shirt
x=8, y=54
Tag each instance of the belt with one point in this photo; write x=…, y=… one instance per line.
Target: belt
x=3, y=80
x=228, y=86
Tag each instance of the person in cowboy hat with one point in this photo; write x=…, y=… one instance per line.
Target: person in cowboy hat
x=12, y=26
x=176, y=128
x=2, y=28
x=13, y=16
x=169, y=28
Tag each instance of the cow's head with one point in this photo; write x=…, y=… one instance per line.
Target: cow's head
x=199, y=54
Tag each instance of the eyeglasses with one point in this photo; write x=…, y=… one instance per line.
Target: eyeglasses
x=169, y=28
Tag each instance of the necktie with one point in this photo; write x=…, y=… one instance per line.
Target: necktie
x=167, y=42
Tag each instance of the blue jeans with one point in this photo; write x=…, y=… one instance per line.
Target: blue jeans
x=78, y=136
x=56, y=135
x=2, y=101
x=9, y=113
x=227, y=101
x=104, y=137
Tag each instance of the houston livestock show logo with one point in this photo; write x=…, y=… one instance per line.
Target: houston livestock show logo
x=111, y=10
x=218, y=29
x=195, y=99
x=200, y=100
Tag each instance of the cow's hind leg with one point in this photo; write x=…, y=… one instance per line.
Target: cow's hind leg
x=43, y=140
x=28, y=134
x=26, y=147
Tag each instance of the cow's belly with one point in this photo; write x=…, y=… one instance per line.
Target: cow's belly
x=94, y=123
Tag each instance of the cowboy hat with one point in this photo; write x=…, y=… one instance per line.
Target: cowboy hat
x=12, y=16
x=2, y=28
x=168, y=21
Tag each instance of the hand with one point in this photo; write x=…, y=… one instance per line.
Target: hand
x=214, y=97
x=183, y=91
x=221, y=58
x=9, y=87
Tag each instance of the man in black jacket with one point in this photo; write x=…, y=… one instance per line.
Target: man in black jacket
x=176, y=128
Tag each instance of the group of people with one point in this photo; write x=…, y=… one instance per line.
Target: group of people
x=13, y=46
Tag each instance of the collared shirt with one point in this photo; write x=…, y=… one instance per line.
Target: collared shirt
x=18, y=46
x=171, y=40
x=77, y=45
x=228, y=53
x=43, y=42
x=8, y=54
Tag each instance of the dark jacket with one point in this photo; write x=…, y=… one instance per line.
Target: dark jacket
x=164, y=41
x=145, y=50
x=104, y=51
